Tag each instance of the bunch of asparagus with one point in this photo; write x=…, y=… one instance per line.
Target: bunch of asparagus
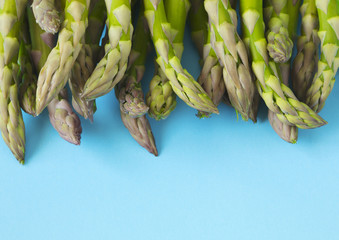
x=48, y=47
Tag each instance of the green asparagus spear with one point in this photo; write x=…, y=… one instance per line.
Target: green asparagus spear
x=285, y=131
x=27, y=79
x=61, y=115
x=85, y=63
x=277, y=96
x=279, y=44
x=232, y=54
x=46, y=15
x=63, y=119
x=210, y=78
x=55, y=73
x=140, y=130
x=181, y=81
x=112, y=67
x=324, y=79
x=11, y=122
x=305, y=63
x=131, y=96
x=161, y=99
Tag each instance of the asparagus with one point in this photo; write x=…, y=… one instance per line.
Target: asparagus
x=61, y=115
x=277, y=96
x=161, y=99
x=324, y=79
x=55, y=73
x=305, y=63
x=140, y=130
x=131, y=96
x=129, y=92
x=63, y=119
x=46, y=15
x=85, y=63
x=285, y=131
x=111, y=69
x=28, y=80
x=11, y=122
x=232, y=54
x=279, y=44
x=210, y=77
x=181, y=81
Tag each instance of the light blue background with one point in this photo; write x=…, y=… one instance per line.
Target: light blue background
x=217, y=178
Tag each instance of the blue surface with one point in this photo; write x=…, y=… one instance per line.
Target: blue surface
x=216, y=178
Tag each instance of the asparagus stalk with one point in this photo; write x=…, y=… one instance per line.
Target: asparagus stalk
x=63, y=119
x=61, y=115
x=305, y=63
x=85, y=63
x=277, y=96
x=46, y=15
x=112, y=67
x=279, y=44
x=28, y=80
x=232, y=54
x=324, y=79
x=131, y=96
x=129, y=92
x=210, y=77
x=161, y=99
x=181, y=81
x=27, y=75
x=11, y=122
x=55, y=73
x=140, y=130
x=285, y=131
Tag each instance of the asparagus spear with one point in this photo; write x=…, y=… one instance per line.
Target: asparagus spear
x=85, y=63
x=232, y=54
x=28, y=80
x=63, y=119
x=140, y=130
x=111, y=69
x=279, y=44
x=129, y=92
x=61, y=115
x=324, y=79
x=210, y=77
x=285, y=131
x=55, y=73
x=46, y=15
x=181, y=81
x=131, y=96
x=11, y=122
x=277, y=96
x=305, y=63
x=161, y=99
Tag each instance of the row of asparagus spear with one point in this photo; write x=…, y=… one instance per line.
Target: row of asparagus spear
x=47, y=45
